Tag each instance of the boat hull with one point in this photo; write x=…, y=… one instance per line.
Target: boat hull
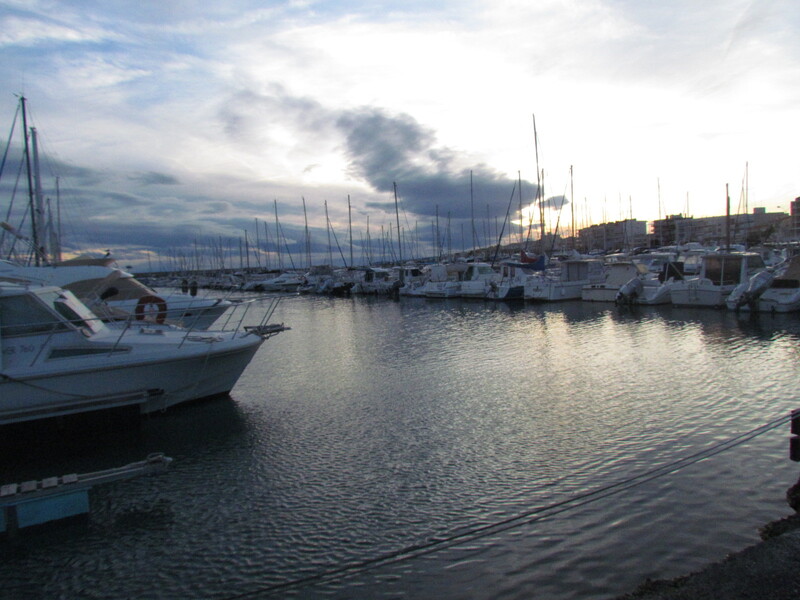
x=599, y=293
x=699, y=293
x=553, y=291
x=209, y=369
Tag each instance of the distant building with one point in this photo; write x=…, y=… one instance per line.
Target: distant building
x=626, y=234
x=755, y=228
x=795, y=220
x=675, y=229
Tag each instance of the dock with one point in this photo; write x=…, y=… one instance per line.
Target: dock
x=37, y=502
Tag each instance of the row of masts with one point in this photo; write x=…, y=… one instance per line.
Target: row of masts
x=266, y=247
x=44, y=242
x=393, y=246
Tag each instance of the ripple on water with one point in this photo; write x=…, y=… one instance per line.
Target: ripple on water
x=374, y=425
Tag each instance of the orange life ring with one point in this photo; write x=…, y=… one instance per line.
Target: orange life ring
x=160, y=304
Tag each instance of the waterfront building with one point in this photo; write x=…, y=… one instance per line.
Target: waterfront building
x=629, y=233
x=748, y=229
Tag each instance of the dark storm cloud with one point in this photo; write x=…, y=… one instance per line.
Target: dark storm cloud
x=248, y=115
x=554, y=202
x=381, y=149
x=386, y=149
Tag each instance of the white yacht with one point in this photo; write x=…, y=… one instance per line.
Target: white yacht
x=444, y=280
x=271, y=282
x=651, y=288
x=566, y=281
x=720, y=273
x=478, y=280
x=412, y=279
x=374, y=281
x=60, y=358
x=617, y=275
x=777, y=292
x=113, y=293
x=511, y=286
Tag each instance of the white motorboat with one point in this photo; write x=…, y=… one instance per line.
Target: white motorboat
x=720, y=273
x=617, y=275
x=412, y=279
x=282, y=282
x=477, y=280
x=651, y=288
x=444, y=280
x=114, y=293
x=566, y=281
x=374, y=281
x=511, y=286
x=777, y=292
x=60, y=358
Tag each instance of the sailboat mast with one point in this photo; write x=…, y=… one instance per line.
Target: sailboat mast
x=572, y=205
x=308, y=238
x=472, y=211
x=266, y=245
x=521, y=224
x=727, y=219
x=539, y=195
x=41, y=220
x=31, y=202
x=350, y=228
x=746, y=187
x=660, y=214
x=57, y=249
x=328, y=227
x=438, y=237
x=397, y=216
x=278, y=236
x=258, y=246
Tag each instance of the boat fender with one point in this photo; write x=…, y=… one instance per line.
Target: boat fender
x=158, y=302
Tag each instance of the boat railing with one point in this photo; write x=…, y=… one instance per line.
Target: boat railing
x=234, y=324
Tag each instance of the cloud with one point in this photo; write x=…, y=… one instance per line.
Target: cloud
x=30, y=31
x=554, y=202
x=385, y=149
x=153, y=178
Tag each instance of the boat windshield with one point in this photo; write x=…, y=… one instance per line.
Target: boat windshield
x=723, y=270
x=66, y=305
x=23, y=315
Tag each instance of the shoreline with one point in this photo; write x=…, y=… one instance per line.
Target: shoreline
x=767, y=570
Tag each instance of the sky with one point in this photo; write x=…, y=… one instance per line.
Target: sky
x=179, y=125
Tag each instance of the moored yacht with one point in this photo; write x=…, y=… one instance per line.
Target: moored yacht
x=777, y=292
x=617, y=275
x=511, y=285
x=412, y=279
x=114, y=293
x=444, y=280
x=566, y=281
x=477, y=280
x=720, y=273
x=60, y=358
x=374, y=281
x=651, y=288
x=272, y=282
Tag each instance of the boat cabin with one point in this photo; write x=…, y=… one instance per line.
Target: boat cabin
x=730, y=268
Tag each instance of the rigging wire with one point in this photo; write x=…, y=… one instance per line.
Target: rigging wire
x=533, y=515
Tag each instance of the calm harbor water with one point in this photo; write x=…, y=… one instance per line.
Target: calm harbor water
x=375, y=426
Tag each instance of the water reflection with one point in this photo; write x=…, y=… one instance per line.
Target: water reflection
x=374, y=425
